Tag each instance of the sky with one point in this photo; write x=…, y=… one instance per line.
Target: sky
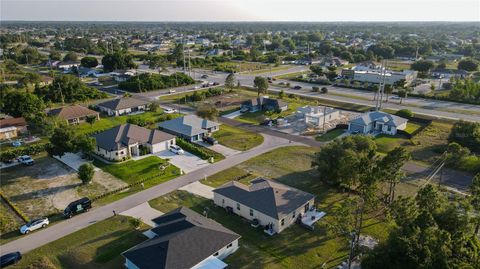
x=240, y=10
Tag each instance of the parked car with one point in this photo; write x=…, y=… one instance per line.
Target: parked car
x=26, y=160
x=34, y=225
x=216, y=84
x=10, y=258
x=297, y=87
x=170, y=110
x=17, y=143
x=176, y=149
x=209, y=140
x=196, y=87
x=77, y=207
x=204, y=76
x=172, y=91
x=395, y=97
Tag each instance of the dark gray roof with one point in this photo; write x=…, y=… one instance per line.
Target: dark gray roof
x=126, y=134
x=379, y=116
x=184, y=239
x=266, y=196
x=187, y=125
x=264, y=101
x=123, y=103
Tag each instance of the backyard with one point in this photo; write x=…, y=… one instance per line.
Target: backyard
x=97, y=246
x=237, y=138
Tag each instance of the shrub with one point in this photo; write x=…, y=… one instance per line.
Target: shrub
x=324, y=90
x=135, y=222
x=404, y=113
x=315, y=89
x=137, y=121
x=11, y=154
x=86, y=172
x=194, y=149
x=41, y=263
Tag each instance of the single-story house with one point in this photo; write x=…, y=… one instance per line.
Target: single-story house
x=74, y=114
x=122, y=106
x=316, y=115
x=191, y=127
x=128, y=140
x=449, y=73
x=264, y=103
x=183, y=239
x=11, y=127
x=377, y=122
x=67, y=65
x=273, y=205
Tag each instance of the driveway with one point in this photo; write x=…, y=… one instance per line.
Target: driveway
x=199, y=189
x=225, y=151
x=187, y=162
x=233, y=114
x=73, y=160
x=143, y=212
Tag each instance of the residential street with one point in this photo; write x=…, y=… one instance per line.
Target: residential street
x=81, y=221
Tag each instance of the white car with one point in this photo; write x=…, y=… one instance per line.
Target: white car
x=25, y=159
x=172, y=91
x=176, y=149
x=34, y=225
x=170, y=110
x=196, y=87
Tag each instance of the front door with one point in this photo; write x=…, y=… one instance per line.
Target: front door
x=307, y=207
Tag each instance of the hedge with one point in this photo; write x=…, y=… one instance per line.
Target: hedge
x=199, y=151
x=11, y=154
x=14, y=208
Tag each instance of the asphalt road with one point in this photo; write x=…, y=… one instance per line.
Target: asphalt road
x=54, y=232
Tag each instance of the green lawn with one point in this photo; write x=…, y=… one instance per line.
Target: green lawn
x=330, y=135
x=237, y=138
x=412, y=127
x=133, y=171
x=97, y=246
x=386, y=143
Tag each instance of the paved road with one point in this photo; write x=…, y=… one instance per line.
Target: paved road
x=79, y=222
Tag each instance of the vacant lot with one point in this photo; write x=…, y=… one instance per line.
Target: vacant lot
x=48, y=186
x=97, y=246
x=9, y=221
x=330, y=135
x=237, y=138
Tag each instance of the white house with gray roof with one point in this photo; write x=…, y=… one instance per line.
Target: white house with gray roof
x=129, y=140
x=191, y=127
x=272, y=204
x=122, y=106
x=377, y=122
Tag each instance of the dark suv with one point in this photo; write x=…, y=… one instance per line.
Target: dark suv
x=210, y=140
x=77, y=207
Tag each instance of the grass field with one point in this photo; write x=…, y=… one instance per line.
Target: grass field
x=386, y=143
x=237, y=138
x=133, y=171
x=97, y=246
x=330, y=135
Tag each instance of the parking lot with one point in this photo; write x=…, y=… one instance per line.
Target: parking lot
x=187, y=162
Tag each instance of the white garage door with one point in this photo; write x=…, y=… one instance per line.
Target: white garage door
x=159, y=147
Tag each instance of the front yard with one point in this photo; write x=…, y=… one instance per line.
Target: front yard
x=237, y=138
x=97, y=246
x=331, y=135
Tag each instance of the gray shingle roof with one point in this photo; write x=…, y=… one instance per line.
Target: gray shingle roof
x=72, y=112
x=379, y=116
x=266, y=196
x=126, y=134
x=123, y=103
x=184, y=239
x=187, y=125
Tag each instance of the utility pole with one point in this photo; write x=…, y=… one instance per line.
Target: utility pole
x=324, y=118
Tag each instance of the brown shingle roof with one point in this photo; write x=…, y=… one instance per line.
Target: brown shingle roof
x=72, y=112
x=17, y=122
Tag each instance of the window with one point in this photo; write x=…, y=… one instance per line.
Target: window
x=116, y=153
x=282, y=222
x=238, y=206
x=251, y=212
x=223, y=201
x=293, y=215
x=230, y=245
x=216, y=254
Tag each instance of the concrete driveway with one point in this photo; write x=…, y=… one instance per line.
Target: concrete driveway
x=187, y=162
x=73, y=160
x=225, y=151
x=199, y=189
x=143, y=212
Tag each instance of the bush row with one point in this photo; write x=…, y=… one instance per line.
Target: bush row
x=194, y=149
x=14, y=208
x=33, y=149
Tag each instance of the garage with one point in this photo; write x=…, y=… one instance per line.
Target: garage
x=162, y=146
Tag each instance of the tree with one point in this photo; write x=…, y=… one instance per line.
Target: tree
x=156, y=61
x=22, y=104
x=317, y=69
x=91, y=119
x=68, y=88
x=422, y=66
x=230, y=81
x=324, y=90
x=62, y=141
x=455, y=153
x=89, y=62
x=154, y=106
x=85, y=144
x=70, y=57
x=86, y=172
x=261, y=85
x=207, y=112
x=29, y=78
x=402, y=94
x=466, y=134
x=281, y=94
x=404, y=113
x=468, y=65
x=388, y=90
x=389, y=169
x=55, y=55
x=475, y=200
x=117, y=60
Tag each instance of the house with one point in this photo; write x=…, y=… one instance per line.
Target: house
x=264, y=103
x=122, y=106
x=191, y=127
x=366, y=75
x=183, y=239
x=316, y=115
x=271, y=204
x=129, y=140
x=449, y=73
x=11, y=127
x=377, y=122
x=67, y=65
x=74, y=114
